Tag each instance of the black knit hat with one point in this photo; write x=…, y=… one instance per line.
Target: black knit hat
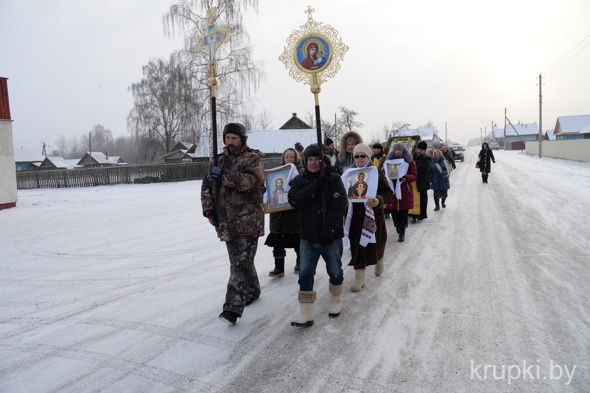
x=329, y=141
x=314, y=151
x=377, y=146
x=298, y=146
x=235, y=128
x=422, y=145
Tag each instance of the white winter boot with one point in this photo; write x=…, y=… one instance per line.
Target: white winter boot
x=379, y=267
x=359, y=282
x=336, y=301
x=306, y=302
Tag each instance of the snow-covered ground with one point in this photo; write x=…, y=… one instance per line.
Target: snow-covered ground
x=119, y=288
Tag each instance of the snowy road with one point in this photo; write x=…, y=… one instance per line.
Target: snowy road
x=118, y=289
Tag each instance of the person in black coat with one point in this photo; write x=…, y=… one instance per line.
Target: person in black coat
x=423, y=166
x=321, y=204
x=485, y=166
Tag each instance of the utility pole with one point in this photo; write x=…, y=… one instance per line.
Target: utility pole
x=540, y=118
x=504, y=128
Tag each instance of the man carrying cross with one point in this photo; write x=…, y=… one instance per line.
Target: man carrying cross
x=231, y=197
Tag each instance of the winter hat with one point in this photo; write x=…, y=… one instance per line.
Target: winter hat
x=399, y=146
x=377, y=146
x=235, y=128
x=422, y=145
x=352, y=138
x=362, y=149
x=298, y=146
x=314, y=151
x=329, y=141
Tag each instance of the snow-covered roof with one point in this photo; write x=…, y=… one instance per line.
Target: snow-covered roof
x=522, y=129
x=27, y=155
x=277, y=141
x=58, y=162
x=204, y=150
x=586, y=130
x=550, y=135
x=572, y=124
x=425, y=133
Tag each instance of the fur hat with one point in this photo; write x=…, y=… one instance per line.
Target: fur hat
x=399, y=146
x=235, y=128
x=314, y=151
x=422, y=145
x=363, y=149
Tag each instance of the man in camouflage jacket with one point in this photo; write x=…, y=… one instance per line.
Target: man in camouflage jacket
x=231, y=196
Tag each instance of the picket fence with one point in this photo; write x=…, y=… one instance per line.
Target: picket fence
x=127, y=174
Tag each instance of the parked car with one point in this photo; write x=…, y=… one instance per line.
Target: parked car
x=494, y=146
x=459, y=152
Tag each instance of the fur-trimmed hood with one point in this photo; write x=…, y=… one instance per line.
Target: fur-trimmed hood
x=342, y=152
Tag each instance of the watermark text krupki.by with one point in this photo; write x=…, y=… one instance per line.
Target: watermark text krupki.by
x=552, y=371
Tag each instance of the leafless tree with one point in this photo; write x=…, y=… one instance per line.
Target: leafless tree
x=239, y=76
x=347, y=119
x=166, y=106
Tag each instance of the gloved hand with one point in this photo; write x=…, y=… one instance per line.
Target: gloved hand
x=215, y=173
x=212, y=217
x=326, y=235
x=373, y=202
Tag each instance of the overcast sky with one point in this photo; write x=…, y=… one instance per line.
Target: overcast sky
x=459, y=62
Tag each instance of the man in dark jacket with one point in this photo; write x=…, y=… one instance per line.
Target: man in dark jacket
x=321, y=230
x=423, y=166
x=231, y=197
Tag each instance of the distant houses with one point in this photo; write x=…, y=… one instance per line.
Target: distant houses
x=572, y=127
x=275, y=142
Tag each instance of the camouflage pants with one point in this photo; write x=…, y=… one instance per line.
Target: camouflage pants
x=243, y=285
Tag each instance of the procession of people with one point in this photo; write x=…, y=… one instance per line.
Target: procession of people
x=320, y=201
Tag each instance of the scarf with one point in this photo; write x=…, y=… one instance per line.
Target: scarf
x=369, y=226
x=401, y=171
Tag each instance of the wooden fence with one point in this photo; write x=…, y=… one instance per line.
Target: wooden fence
x=127, y=174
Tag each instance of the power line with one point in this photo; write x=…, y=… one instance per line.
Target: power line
x=556, y=66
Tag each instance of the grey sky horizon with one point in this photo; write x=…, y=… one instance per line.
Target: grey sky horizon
x=459, y=62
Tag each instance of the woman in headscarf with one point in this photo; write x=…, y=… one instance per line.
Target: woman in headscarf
x=284, y=226
x=399, y=207
x=440, y=179
x=371, y=253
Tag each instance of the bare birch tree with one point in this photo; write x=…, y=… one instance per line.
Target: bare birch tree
x=239, y=76
x=166, y=107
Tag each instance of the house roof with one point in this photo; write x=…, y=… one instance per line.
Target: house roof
x=571, y=124
x=27, y=155
x=294, y=123
x=277, y=141
x=97, y=157
x=550, y=135
x=425, y=133
x=56, y=162
x=522, y=129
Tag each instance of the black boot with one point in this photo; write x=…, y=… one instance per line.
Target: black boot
x=279, y=270
x=443, y=203
x=436, y=207
x=485, y=179
x=402, y=237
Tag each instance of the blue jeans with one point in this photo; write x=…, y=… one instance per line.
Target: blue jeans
x=310, y=255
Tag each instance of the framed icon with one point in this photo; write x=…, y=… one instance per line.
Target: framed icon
x=313, y=53
x=277, y=189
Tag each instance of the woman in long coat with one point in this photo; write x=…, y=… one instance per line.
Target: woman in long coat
x=372, y=253
x=284, y=226
x=399, y=207
x=440, y=180
x=485, y=156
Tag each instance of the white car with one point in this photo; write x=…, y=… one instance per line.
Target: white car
x=494, y=146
